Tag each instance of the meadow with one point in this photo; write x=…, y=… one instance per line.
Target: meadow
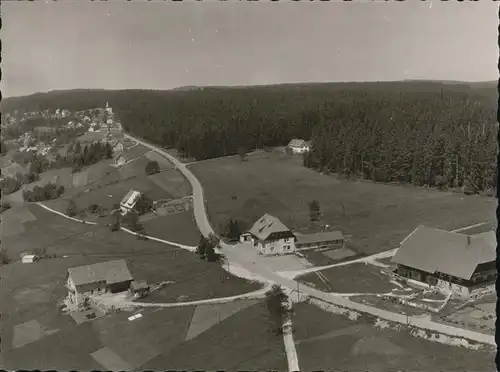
x=376, y=216
x=325, y=341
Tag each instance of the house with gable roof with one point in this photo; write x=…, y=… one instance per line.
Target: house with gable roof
x=84, y=281
x=449, y=261
x=269, y=236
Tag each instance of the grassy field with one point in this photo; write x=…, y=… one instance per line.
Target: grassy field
x=377, y=216
x=241, y=342
x=30, y=292
x=354, y=278
x=327, y=341
x=194, y=338
x=177, y=227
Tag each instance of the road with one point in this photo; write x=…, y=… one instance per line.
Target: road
x=236, y=255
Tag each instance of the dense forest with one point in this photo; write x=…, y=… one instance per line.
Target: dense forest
x=426, y=133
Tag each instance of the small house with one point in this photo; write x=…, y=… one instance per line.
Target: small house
x=299, y=146
x=120, y=160
x=111, y=276
x=28, y=258
x=269, y=236
x=139, y=288
x=129, y=201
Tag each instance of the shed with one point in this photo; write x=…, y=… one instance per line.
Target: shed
x=29, y=258
x=319, y=240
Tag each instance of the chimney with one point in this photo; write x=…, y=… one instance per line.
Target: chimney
x=468, y=240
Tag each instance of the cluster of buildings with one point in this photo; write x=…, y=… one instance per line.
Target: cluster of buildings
x=269, y=236
x=104, y=277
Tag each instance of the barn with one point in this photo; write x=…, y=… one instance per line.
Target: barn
x=450, y=261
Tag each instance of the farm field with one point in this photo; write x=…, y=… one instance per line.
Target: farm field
x=324, y=340
x=242, y=341
x=378, y=216
x=177, y=227
x=353, y=278
x=31, y=321
x=148, y=260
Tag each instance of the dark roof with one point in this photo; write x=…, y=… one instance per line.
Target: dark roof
x=111, y=272
x=267, y=225
x=138, y=285
x=297, y=143
x=433, y=250
x=320, y=237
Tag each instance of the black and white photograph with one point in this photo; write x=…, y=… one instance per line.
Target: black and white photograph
x=249, y=185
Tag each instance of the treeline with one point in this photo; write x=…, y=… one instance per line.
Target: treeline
x=443, y=140
x=425, y=133
x=41, y=193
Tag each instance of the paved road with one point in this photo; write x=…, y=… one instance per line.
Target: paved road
x=236, y=256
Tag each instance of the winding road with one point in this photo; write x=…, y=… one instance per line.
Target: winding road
x=236, y=256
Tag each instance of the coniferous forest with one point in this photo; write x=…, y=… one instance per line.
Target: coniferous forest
x=424, y=133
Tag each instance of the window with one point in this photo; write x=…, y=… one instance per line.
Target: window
x=287, y=240
x=287, y=247
x=272, y=249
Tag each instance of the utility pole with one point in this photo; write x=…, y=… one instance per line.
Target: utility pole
x=298, y=292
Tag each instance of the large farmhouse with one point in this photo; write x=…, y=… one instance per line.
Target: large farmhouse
x=455, y=262
x=111, y=276
x=270, y=236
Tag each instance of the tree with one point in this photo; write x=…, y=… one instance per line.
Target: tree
x=314, y=210
x=115, y=220
x=201, y=248
x=277, y=306
x=242, y=152
x=211, y=255
x=131, y=219
x=143, y=205
x=213, y=240
x=233, y=230
x=108, y=150
x=4, y=257
x=3, y=148
x=152, y=167
x=72, y=209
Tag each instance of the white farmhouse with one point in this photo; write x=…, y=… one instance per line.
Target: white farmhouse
x=299, y=146
x=129, y=201
x=269, y=236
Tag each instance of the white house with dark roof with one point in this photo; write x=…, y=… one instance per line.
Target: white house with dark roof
x=129, y=201
x=463, y=264
x=299, y=146
x=269, y=236
x=84, y=281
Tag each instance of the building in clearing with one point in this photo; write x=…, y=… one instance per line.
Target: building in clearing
x=28, y=258
x=111, y=276
x=129, y=201
x=117, y=146
x=320, y=241
x=269, y=236
x=299, y=146
x=463, y=264
x=119, y=160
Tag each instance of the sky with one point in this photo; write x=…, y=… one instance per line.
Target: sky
x=162, y=45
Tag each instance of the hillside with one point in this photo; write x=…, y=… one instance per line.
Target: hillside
x=423, y=132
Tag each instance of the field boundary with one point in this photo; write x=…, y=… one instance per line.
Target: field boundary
x=182, y=246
